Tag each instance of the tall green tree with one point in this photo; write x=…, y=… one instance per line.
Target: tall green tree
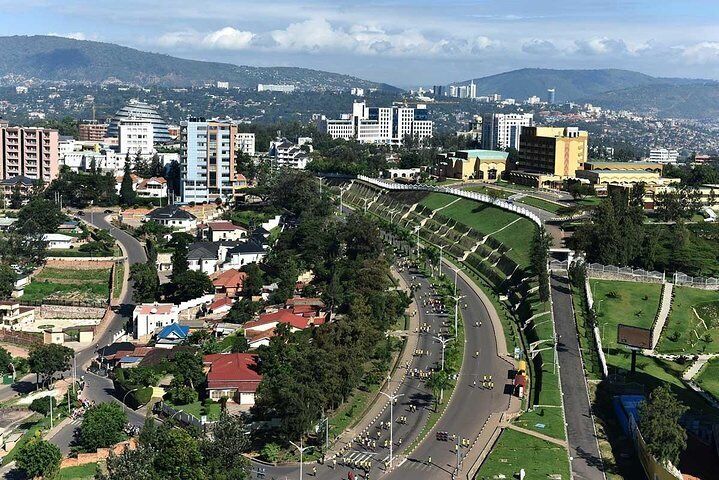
x=128, y=196
x=659, y=423
x=146, y=282
x=191, y=284
x=47, y=360
x=7, y=280
x=38, y=458
x=539, y=254
x=102, y=426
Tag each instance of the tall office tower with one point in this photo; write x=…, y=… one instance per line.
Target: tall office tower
x=207, y=159
x=385, y=125
x=551, y=96
x=438, y=91
x=552, y=150
x=28, y=151
x=140, y=111
x=472, y=90
x=502, y=130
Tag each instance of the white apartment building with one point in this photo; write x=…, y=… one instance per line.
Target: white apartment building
x=285, y=154
x=383, y=125
x=663, y=155
x=275, y=88
x=245, y=142
x=502, y=130
x=149, y=317
x=136, y=136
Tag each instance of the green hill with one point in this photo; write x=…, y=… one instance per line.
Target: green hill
x=570, y=85
x=49, y=58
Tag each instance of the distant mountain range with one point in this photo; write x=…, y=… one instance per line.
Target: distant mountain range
x=49, y=58
x=569, y=85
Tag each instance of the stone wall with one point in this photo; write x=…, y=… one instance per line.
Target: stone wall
x=100, y=454
x=50, y=312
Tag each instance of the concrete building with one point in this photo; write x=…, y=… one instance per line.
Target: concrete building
x=382, y=125
x=150, y=317
x=140, y=111
x=502, y=130
x=207, y=159
x=28, y=151
x=552, y=150
x=232, y=375
x=663, y=155
x=172, y=216
x=285, y=154
x=624, y=173
x=136, y=136
x=155, y=187
x=486, y=165
x=275, y=88
x=92, y=132
x=551, y=96
x=245, y=142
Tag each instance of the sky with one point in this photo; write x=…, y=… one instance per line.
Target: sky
x=406, y=43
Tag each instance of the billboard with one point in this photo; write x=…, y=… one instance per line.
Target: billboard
x=634, y=336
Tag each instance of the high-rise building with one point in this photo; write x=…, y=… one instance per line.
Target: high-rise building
x=502, y=130
x=551, y=97
x=438, y=91
x=382, y=125
x=558, y=151
x=135, y=136
x=207, y=159
x=142, y=111
x=92, y=132
x=663, y=155
x=28, y=151
x=472, y=90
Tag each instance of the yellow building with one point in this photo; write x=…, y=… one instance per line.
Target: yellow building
x=485, y=165
x=554, y=151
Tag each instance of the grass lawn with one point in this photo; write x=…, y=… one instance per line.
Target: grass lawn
x=592, y=365
x=541, y=203
x=589, y=201
x=480, y=216
x=196, y=409
x=516, y=450
x=81, y=472
x=437, y=200
x=684, y=331
x=499, y=193
x=708, y=378
x=546, y=420
x=119, y=277
x=68, y=284
x=630, y=303
x=518, y=237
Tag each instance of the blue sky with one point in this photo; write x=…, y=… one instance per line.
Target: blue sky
x=406, y=43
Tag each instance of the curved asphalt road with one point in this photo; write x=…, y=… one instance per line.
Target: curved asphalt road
x=100, y=389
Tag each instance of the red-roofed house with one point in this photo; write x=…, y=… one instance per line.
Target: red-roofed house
x=232, y=375
x=229, y=282
x=223, y=230
x=221, y=305
x=155, y=187
x=286, y=316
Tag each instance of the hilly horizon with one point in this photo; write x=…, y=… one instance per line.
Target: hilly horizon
x=54, y=59
x=570, y=84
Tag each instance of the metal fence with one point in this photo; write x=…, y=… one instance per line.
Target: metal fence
x=598, y=270
x=454, y=191
x=701, y=282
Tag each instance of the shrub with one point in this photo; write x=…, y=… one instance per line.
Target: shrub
x=42, y=405
x=270, y=452
x=183, y=395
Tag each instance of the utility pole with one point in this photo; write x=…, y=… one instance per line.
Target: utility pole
x=392, y=399
x=302, y=451
x=444, y=342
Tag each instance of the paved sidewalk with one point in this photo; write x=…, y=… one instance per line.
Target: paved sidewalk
x=664, y=308
x=527, y=431
x=696, y=367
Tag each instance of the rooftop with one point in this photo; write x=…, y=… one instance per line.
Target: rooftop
x=232, y=370
x=170, y=212
x=154, y=308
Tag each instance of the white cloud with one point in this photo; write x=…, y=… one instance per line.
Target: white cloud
x=537, y=46
x=601, y=46
x=703, y=52
x=73, y=35
x=228, y=38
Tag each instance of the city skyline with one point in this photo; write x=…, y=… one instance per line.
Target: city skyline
x=402, y=43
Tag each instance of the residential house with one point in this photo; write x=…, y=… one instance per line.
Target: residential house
x=23, y=184
x=223, y=230
x=174, y=217
x=136, y=180
x=204, y=257
x=171, y=335
x=229, y=282
x=148, y=317
x=12, y=314
x=232, y=375
x=221, y=305
x=258, y=332
x=250, y=251
x=58, y=241
x=70, y=226
x=155, y=187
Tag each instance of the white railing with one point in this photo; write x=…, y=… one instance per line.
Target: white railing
x=595, y=330
x=629, y=273
x=480, y=197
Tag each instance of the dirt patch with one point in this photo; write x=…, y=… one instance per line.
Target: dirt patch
x=79, y=264
x=14, y=350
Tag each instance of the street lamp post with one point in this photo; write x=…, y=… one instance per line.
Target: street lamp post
x=456, y=299
x=125, y=396
x=444, y=342
x=302, y=451
x=455, y=281
x=392, y=399
x=441, y=249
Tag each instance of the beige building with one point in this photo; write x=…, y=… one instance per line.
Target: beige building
x=552, y=150
x=92, y=132
x=28, y=151
x=624, y=173
x=485, y=165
